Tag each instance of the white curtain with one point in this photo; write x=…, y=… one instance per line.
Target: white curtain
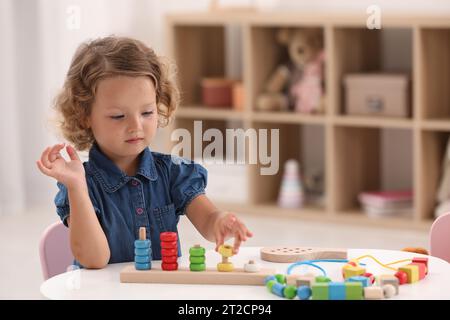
x=38, y=39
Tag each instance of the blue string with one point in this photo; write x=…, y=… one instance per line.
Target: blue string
x=310, y=263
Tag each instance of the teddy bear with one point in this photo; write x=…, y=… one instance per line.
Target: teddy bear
x=297, y=85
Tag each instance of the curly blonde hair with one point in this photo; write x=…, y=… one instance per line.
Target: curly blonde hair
x=107, y=57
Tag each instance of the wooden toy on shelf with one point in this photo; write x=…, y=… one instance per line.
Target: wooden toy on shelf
x=142, y=251
x=289, y=254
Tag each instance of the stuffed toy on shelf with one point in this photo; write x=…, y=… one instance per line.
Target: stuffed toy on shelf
x=299, y=84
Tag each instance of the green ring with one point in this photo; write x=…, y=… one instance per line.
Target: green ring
x=197, y=260
x=197, y=251
x=197, y=267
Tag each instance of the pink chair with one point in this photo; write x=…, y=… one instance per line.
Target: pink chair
x=440, y=237
x=54, y=250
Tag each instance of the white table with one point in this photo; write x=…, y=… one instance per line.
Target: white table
x=105, y=283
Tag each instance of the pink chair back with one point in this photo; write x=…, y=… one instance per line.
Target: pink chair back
x=440, y=237
x=54, y=250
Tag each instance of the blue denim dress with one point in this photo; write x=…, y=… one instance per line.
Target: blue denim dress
x=154, y=198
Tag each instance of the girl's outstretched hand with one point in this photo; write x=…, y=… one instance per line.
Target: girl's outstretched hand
x=229, y=226
x=54, y=165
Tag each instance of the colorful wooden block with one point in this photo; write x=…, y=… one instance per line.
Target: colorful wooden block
x=422, y=269
x=422, y=260
x=385, y=279
x=336, y=291
x=320, y=291
x=353, y=290
x=364, y=280
x=304, y=292
x=305, y=280
x=322, y=279
x=351, y=271
x=373, y=292
x=412, y=272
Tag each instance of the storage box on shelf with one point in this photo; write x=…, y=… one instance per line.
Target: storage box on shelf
x=351, y=143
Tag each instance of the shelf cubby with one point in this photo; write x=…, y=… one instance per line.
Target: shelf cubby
x=362, y=163
x=361, y=50
x=304, y=143
x=435, y=66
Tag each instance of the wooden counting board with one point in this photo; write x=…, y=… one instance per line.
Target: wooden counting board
x=290, y=254
x=184, y=276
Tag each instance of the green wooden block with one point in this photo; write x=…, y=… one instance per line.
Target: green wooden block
x=290, y=292
x=322, y=279
x=353, y=291
x=320, y=291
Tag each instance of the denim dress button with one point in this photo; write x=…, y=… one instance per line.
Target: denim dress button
x=139, y=210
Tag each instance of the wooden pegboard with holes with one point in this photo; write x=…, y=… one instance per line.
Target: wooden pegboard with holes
x=289, y=254
x=184, y=276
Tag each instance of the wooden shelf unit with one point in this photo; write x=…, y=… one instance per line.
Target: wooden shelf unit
x=352, y=144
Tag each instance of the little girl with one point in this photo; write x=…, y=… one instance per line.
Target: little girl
x=117, y=92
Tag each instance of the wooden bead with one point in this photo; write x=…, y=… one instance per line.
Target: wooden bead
x=290, y=292
x=169, y=266
x=269, y=284
x=197, y=267
x=197, y=251
x=304, y=292
x=169, y=244
x=193, y=259
x=402, y=277
x=142, y=252
x=142, y=244
x=251, y=266
x=225, y=267
x=388, y=291
x=142, y=266
x=168, y=236
x=169, y=252
x=281, y=278
x=142, y=259
x=226, y=250
x=169, y=259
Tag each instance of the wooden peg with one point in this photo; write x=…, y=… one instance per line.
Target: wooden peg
x=142, y=233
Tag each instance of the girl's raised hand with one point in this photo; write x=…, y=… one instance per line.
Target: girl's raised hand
x=54, y=165
x=230, y=226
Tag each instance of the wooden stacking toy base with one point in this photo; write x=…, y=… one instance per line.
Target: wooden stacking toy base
x=184, y=276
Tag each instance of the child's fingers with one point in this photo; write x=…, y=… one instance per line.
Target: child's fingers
x=42, y=168
x=237, y=244
x=219, y=240
x=44, y=158
x=54, y=152
x=72, y=153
